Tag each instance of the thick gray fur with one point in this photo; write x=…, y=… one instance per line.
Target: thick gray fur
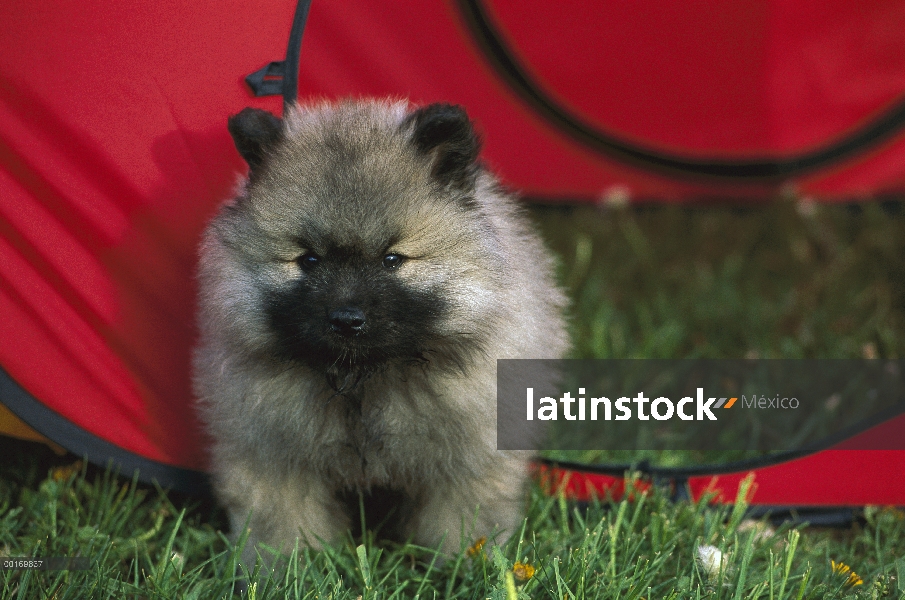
x=286, y=443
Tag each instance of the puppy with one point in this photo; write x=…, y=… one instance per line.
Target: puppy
x=355, y=296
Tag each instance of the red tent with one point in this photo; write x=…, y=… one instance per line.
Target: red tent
x=114, y=152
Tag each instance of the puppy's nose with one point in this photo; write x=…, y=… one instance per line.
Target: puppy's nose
x=347, y=320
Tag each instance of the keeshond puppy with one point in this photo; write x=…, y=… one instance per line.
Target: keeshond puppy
x=354, y=299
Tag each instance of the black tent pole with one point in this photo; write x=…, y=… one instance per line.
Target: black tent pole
x=293, y=51
x=282, y=77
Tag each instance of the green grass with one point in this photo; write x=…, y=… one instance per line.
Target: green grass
x=787, y=281
x=782, y=281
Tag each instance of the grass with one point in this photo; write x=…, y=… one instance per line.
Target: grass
x=789, y=280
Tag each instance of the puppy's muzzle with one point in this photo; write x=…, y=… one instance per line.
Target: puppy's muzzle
x=347, y=321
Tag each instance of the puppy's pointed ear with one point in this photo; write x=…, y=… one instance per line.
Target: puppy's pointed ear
x=255, y=133
x=445, y=133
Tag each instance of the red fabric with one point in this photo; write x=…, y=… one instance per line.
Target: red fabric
x=828, y=478
x=844, y=475
x=114, y=151
x=113, y=154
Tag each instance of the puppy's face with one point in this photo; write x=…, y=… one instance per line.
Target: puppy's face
x=351, y=307
x=361, y=237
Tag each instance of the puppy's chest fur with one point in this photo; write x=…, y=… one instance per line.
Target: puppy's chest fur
x=398, y=435
x=364, y=445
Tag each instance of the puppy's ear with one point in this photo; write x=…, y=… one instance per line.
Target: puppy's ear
x=444, y=132
x=255, y=133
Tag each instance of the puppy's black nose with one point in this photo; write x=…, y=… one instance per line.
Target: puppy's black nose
x=347, y=320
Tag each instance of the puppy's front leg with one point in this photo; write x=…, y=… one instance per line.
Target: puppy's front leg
x=278, y=509
x=461, y=511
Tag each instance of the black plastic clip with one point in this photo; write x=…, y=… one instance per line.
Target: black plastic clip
x=268, y=80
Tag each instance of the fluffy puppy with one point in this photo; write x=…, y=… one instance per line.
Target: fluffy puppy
x=354, y=298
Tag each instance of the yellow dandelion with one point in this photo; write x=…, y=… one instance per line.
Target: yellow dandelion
x=523, y=571
x=64, y=473
x=897, y=513
x=840, y=568
x=478, y=546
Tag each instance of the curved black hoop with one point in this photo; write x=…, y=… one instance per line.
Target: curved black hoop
x=756, y=170
x=86, y=444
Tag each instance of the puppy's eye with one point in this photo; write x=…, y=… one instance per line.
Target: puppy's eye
x=309, y=260
x=392, y=261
